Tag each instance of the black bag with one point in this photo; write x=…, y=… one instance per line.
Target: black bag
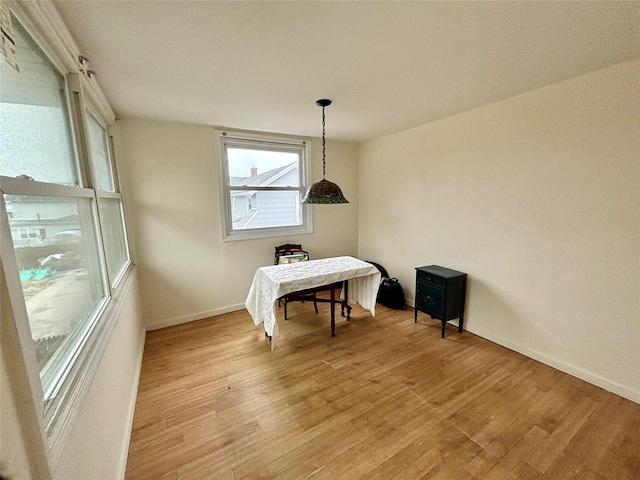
x=381, y=269
x=390, y=294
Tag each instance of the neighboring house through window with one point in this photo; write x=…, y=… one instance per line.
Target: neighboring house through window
x=263, y=181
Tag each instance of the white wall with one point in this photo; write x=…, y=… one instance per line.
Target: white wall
x=186, y=271
x=537, y=198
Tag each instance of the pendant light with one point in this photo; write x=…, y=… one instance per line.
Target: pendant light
x=324, y=191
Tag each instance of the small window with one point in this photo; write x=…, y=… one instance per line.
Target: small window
x=109, y=198
x=115, y=242
x=100, y=159
x=263, y=182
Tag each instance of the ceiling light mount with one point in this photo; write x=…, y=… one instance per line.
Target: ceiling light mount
x=324, y=192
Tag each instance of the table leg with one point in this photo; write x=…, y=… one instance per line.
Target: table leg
x=346, y=301
x=333, y=310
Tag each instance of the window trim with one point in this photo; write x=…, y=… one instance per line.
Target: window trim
x=224, y=138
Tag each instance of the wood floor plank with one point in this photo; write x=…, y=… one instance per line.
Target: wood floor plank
x=385, y=399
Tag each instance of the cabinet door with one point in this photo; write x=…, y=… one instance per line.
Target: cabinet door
x=429, y=299
x=455, y=298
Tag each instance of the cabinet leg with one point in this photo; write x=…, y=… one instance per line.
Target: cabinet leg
x=443, y=324
x=415, y=315
x=460, y=324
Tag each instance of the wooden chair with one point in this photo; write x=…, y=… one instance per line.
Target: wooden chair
x=291, y=253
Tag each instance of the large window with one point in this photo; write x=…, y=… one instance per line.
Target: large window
x=263, y=182
x=62, y=206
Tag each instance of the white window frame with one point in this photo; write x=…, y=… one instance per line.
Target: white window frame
x=227, y=138
x=57, y=408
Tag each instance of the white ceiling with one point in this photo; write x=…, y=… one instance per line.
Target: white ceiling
x=387, y=66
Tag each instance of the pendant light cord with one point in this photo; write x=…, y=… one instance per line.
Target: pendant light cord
x=323, y=147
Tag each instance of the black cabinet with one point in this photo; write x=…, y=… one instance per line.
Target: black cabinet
x=440, y=293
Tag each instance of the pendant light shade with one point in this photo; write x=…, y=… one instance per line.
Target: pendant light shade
x=324, y=192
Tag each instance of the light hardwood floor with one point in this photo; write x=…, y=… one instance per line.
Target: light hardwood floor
x=386, y=398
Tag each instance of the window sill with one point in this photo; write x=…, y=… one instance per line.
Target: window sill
x=267, y=233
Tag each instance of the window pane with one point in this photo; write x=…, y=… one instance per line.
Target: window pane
x=34, y=122
x=115, y=243
x=249, y=167
x=265, y=209
x=59, y=271
x=100, y=160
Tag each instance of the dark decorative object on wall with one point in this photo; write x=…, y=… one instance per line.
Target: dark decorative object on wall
x=324, y=191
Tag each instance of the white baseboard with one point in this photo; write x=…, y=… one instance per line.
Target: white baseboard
x=131, y=410
x=170, y=322
x=573, y=370
x=558, y=364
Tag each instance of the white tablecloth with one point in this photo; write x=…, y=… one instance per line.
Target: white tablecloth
x=271, y=283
